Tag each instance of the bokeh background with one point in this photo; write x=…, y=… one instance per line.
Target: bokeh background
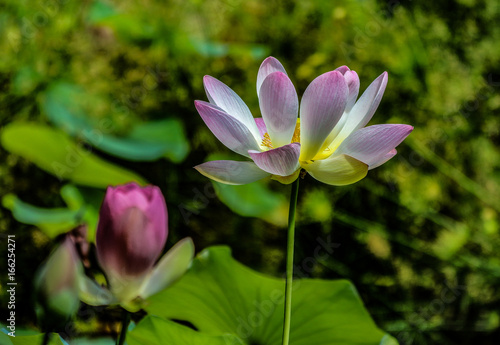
x=99, y=92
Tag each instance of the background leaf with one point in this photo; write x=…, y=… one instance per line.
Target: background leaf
x=52, y=222
x=252, y=200
x=66, y=106
x=82, y=208
x=55, y=153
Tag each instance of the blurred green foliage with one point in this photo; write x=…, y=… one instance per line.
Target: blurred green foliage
x=419, y=237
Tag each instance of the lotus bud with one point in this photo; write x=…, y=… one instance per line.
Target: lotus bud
x=57, y=285
x=131, y=234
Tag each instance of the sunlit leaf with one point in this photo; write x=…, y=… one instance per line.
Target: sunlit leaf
x=83, y=207
x=52, y=222
x=54, y=152
x=219, y=296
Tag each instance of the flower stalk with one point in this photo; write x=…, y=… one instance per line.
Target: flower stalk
x=289, y=261
x=123, y=333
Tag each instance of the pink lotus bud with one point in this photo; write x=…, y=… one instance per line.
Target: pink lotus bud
x=132, y=230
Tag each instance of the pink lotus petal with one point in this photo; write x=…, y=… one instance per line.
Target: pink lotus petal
x=322, y=106
x=223, y=97
x=384, y=159
x=362, y=112
x=267, y=67
x=261, y=125
x=132, y=230
x=232, y=172
x=352, y=80
x=230, y=131
x=371, y=144
x=282, y=161
x=279, y=105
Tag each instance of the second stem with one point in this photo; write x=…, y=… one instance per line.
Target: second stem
x=123, y=333
x=289, y=261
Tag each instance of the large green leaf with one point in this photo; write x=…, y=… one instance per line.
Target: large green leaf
x=55, y=153
x=219, y=296
x=66, y=106
x=154, y=330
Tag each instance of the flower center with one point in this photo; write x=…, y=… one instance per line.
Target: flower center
x=266, y=139
x=296, y=133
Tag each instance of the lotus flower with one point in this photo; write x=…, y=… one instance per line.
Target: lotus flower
x=57, y=285
x=329, y=140
x=131, y=234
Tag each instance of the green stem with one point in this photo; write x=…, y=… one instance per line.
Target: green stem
x=123, y=333
x=289, y=261
x=46, y=338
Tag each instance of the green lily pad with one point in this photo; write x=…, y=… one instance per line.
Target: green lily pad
x=82, y=208
x=52, y=222
x=154, y=330
x=54, y=152
x=65, y=105
x=220, y=296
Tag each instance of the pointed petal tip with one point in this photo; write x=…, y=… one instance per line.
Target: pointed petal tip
x=408, y=128
x=342, y=69
x=201, y=105
x=270, y=58
x=231, y=172
x=207, y=79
